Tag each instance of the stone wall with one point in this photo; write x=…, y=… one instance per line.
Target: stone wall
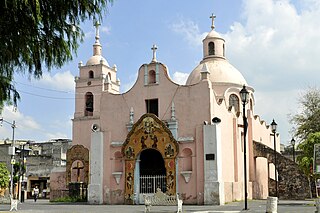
x=58, y=187
x=292, y=182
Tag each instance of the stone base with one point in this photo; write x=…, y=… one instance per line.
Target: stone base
x=214, y=193
x=95, y=194
x=272, y=205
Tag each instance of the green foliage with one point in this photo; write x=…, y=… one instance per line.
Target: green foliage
x=305, y=159
x=18, y=170
x=7, y=91
x=40, y=34
x=4, y=176
x=308, y=120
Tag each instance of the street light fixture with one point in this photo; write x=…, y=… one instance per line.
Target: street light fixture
x=244, y=94
x=274, y=130
x=293, y=143
x=23, y=185
x=11, y=151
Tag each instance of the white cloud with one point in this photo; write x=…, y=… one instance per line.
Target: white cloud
x=24, y=124
x=276, y=49
x=59, y=81
x=92, y=33
x=180, y=77
x=105, y=29
x=27, y=128
x=127, y=86
x=88, y=35
x=275, y=40
x=57, y=135
x=189, y=30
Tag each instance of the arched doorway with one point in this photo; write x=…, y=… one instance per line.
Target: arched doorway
x=151, y=163
x=149, y=150
x=152, y=172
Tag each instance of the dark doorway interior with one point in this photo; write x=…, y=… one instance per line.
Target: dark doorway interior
x=151, y=163
x=152, y=172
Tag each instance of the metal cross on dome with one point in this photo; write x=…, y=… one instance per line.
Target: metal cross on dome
x=212, y=17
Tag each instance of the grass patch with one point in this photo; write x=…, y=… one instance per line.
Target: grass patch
x=68, y=199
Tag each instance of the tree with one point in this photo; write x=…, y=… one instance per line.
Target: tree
x=18, y=170
x=40, y=34
x=308, y=120
x=8, y=92
x=307, y=130
x=306, y=158
x=4, y=176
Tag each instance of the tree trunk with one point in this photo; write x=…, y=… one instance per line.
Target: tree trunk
x=315, y=183
x=310, y=187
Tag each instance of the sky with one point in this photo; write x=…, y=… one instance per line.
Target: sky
x=273, y=43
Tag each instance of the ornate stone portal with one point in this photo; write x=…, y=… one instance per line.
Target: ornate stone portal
x=149, y=133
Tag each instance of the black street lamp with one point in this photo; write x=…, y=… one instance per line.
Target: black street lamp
x=293, y=143
x=244, y=94
x=23, y=171
x=12, y=151
x=274, y=129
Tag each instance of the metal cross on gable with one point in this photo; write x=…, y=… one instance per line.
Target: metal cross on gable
x=212, y=17
x=154, y=49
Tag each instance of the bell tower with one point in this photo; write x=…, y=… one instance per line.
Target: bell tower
x=95, y=77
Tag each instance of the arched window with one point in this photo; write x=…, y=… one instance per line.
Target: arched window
x=224, y=51
x=152, y=77
x=89, y=104
x=91, y=74
x=211, y=48
x=234, y=101
x=109, y=76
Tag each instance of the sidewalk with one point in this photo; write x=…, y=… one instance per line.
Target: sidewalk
x=284, y=206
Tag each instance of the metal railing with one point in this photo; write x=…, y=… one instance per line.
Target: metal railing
x=150, y=183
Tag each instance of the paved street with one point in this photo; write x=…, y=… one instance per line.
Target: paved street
x=234, y=207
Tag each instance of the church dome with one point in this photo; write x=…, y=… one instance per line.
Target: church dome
x=213, y=34
x=214, y=62
x=221, y=71
x=96, y=59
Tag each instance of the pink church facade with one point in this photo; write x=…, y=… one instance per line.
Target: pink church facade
x=129, y=159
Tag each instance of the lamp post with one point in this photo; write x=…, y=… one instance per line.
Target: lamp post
x=244, y=94
x=293, y=143
x=274, y=129
x=11, y=151
x=23, y=172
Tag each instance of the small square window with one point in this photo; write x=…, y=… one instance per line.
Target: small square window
x=152, y=106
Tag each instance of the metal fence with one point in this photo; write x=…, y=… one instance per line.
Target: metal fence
x=150, y=183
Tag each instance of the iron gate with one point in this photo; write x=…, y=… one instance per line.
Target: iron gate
x=150, y=183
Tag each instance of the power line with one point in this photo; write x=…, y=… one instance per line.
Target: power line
x=42, y=88
x=44, y=96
